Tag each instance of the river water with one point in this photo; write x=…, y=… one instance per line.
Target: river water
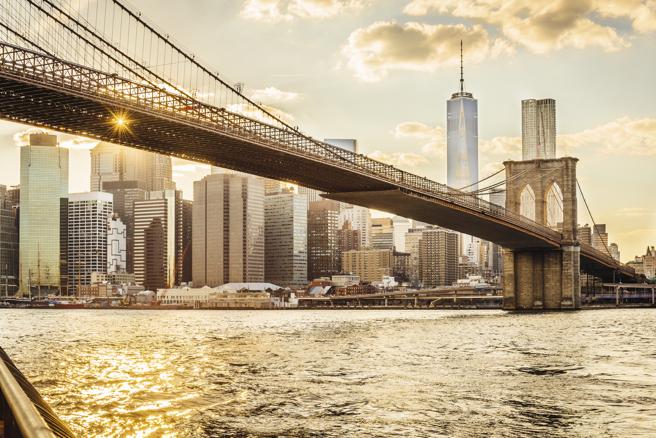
x=341, y=373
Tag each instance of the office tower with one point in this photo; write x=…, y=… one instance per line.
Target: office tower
x=360, y=219
x=185, y=251
x=161, y=177
x=462, y=137
x=382, y=233
x=614, y=251
x=116, y=245
x=401, y=226
x=311, y=195
x=285, y=225
x=228, y=229
x=348, y=239
x=412, y=238
x=111, y=163
x=8, y=243
x=155, y=237
x=44, y=180
x=462, y=149
x=370, y=264
x=584, y=234
x=538, y=129
x=600, y=238
x=64, y=283
x=125, y=194
x=323, y=245
x=272, y=186
x=349, y=144
x=438, y=257
x=129, y=174
x=89, y=216
x=401, y=267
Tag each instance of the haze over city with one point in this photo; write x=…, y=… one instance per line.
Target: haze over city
x=381, y=71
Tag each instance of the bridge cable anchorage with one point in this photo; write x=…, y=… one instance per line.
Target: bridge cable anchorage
x=578, y=184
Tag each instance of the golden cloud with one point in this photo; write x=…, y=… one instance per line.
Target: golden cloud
x=436, y=144
x=273, y=95
x=287, y=10
x=399, y=159
x=373, y=51
x=547, y=26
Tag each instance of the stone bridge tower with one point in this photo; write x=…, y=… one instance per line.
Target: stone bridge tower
x=543, y=279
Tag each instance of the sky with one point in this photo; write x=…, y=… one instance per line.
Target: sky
x=381, y=71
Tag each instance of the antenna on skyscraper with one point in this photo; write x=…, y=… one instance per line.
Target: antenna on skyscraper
x=462, y=80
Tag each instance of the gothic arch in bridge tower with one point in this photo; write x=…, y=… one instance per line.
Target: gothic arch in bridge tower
x=527, y=202
x=539, y=279
x=554, y=206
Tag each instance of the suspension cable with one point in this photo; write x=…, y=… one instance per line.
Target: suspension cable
x=578, y=184
x=481, y=180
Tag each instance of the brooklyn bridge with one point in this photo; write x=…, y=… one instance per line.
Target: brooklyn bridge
x=101, y=71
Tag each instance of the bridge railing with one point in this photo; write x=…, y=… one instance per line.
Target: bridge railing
x=71, y=77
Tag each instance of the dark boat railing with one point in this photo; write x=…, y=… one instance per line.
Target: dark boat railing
x=23, y=412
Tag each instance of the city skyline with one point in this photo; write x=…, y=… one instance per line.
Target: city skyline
x=404, y=122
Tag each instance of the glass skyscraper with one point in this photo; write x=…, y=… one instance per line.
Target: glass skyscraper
x=43, y=180
x=285, y=227
x=462, y=140
x=462, y=150
x=538, y=129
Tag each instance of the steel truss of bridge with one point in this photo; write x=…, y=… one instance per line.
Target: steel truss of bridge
x=44, y=91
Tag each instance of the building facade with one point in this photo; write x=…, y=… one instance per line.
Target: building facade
x=114, y=163
x=538, y=129
x=8, y=242
x=44, y=181
x=228, y=229
x=438, y=257
x=600, y=238
x=116, y=246
x=185, y=249
x=286, y=257
x=323, y=244
x=89, y=220
x=382, y=233
x=371, y=265
x=155, y=240
x=360, y=220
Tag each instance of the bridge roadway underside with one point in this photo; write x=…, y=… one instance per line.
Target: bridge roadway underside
x=67, y=110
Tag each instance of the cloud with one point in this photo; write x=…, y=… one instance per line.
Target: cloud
x=67, y=141
x=399, y=159
x=373, y=51
x=435, y=136
x=624, y=136
x=636, y=212
x=546, y=26
x=506, y=146
x=272, y=95
x=253, y=112
x=273, y=11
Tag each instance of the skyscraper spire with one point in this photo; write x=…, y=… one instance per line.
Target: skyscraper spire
x=462, y=80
